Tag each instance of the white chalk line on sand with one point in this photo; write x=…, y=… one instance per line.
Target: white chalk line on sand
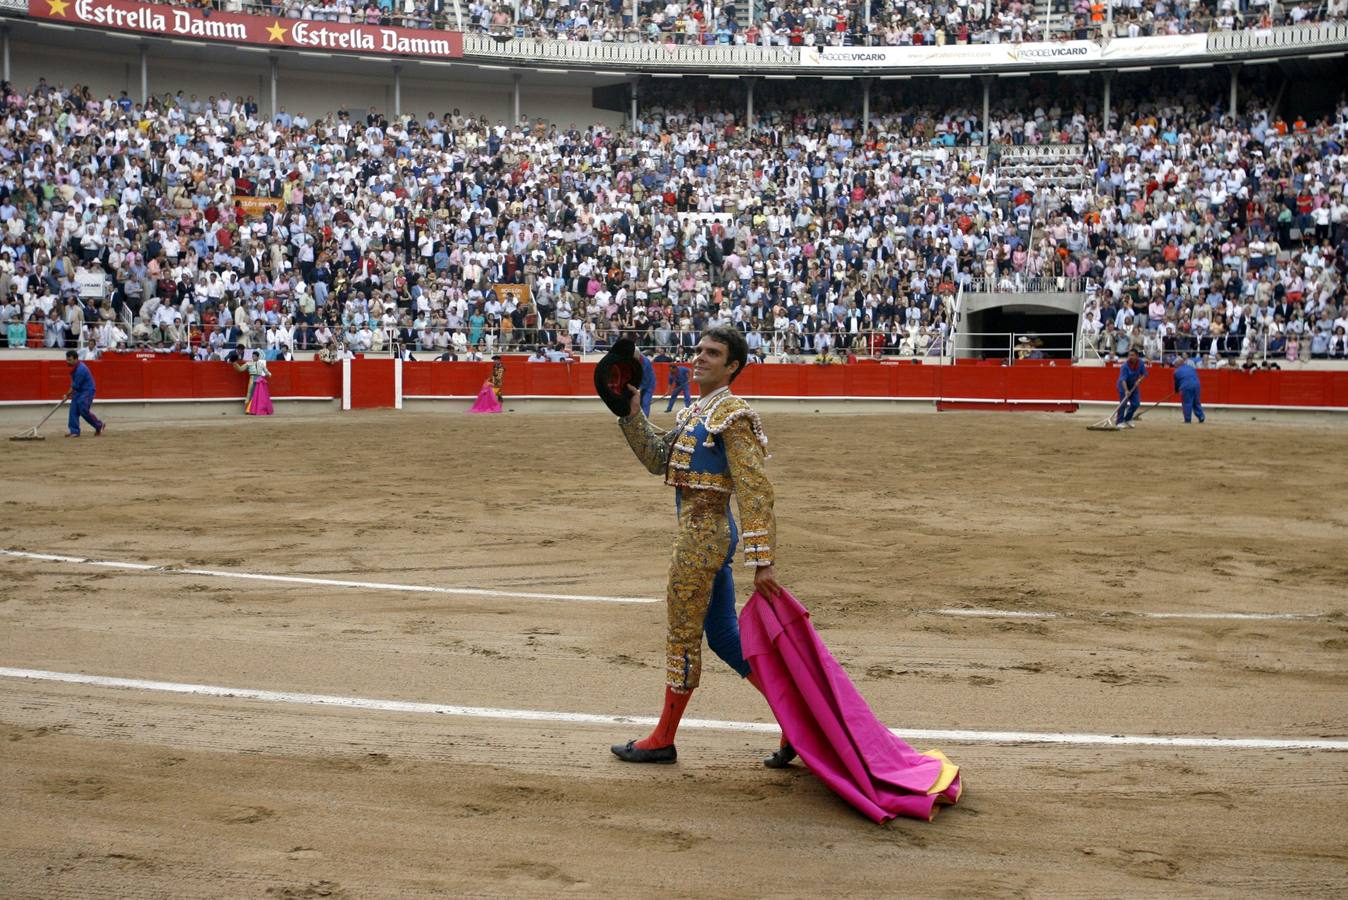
x=325, y=582
x=531, y=715
x=601, y=598
x=1031, y=614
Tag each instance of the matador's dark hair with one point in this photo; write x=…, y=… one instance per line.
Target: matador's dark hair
x=737, y=348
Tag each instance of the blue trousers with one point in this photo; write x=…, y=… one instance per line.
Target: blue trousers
x=687, y=398
x=722, y=625
x=1128, y=403
x=81, y=407
x=646, y=402
x=1191, y=405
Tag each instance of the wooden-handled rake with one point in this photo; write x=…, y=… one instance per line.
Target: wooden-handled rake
x=1108, y=423
x=31, y=434
x=1168, y=397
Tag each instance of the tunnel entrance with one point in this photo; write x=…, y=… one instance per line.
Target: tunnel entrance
x=992, y=333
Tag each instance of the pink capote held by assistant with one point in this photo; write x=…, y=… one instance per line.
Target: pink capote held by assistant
x=259, y=399
x=829, y=723
x=486, y=400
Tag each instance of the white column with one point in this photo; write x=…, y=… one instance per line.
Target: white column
x=1104, y=117
x=749, y=105
x=1235, y=88
x=397, y=378
x=397, y=90
x=867, y=16
x=517, y=12
x=515, y=99
x=635, y=82
x=346, y=383
x=144, y=74
x=4, y=39
x=987, y=107
x=865, y=106
x=275, y=65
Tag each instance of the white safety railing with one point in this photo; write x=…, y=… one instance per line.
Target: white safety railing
x=590, y=53
x=1019, y=283
x=1246, y=350
x=873, y=344
x=1287, y=37
x=1012, y=346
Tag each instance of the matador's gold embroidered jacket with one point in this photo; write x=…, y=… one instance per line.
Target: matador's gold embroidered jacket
x=717, y=445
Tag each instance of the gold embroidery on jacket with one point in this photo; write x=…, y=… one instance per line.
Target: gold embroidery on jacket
x=703, y=540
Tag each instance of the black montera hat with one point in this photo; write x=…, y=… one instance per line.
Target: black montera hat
x=614, y=373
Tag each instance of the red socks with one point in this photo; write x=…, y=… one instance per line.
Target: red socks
x=663, y=735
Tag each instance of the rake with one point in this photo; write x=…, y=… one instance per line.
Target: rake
x=1108, y=423
x=1154, y=405
x=31, y=434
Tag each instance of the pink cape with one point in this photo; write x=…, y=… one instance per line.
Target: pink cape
x=259, y=402
x=830, y=725
x=486, y=400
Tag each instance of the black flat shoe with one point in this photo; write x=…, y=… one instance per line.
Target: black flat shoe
x=630, y=752
x=782, y=758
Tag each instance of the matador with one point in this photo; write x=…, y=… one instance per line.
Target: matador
x=717, y=448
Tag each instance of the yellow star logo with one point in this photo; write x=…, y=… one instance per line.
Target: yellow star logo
x=57, y=7
x=275, y=31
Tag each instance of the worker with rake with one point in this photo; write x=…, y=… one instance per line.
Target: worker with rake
x=81, y=396
x=1131, y=375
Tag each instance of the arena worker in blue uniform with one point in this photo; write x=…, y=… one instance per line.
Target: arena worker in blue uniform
x=1131, y=375
x=1188, y=387
x=81, y=396
x=647, y=382
x=678, y=384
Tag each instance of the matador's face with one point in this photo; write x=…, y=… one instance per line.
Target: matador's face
x=711, y=368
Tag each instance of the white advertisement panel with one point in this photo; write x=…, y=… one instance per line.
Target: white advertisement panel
x=951, y=55
x=1047, y=54
x=1164, y=47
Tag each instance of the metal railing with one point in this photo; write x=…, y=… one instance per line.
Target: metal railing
x=532, y=49
x=1257, y=349
x=1284, y=37
x=1014, y=346
x=1019, y=283
x=677, y=343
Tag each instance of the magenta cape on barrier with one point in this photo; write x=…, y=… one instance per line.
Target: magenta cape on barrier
x=486, y=401
x=831, y=726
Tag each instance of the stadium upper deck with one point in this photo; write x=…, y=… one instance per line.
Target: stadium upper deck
x=790, y=39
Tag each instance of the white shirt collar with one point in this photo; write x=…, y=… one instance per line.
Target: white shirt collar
x=703, y=402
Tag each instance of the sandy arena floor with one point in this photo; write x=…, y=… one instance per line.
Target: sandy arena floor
x=115, y=792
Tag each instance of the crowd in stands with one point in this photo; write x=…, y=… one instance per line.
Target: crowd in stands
x=803, y=22
x=217, y=228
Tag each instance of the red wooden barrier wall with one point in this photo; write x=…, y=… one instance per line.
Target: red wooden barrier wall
x=164, y=379
x=172, y=379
